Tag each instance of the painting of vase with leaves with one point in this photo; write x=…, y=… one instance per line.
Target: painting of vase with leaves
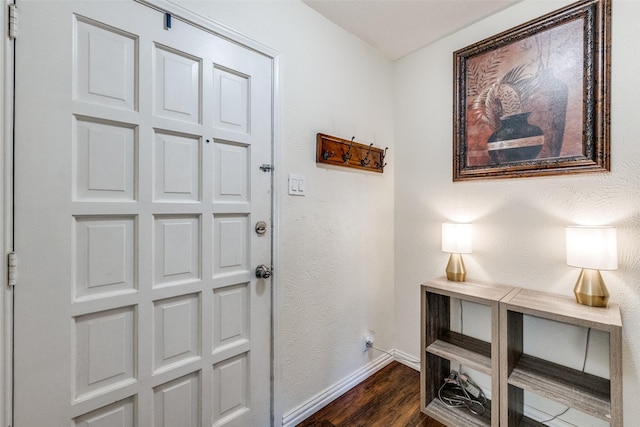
x=525, y=100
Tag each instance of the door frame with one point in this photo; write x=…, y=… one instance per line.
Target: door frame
x=6, y=189
x=6, y=213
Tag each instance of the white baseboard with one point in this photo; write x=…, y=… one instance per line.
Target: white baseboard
x=322, y=399
x=406, y=359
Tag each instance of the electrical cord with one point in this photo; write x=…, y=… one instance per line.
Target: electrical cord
x=461, y=318
x=395, y=356
x=560, y=414
x=461, y=328
x=586, y=349
x=460, y=391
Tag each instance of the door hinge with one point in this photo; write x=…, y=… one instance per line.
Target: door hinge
x=266, y=168
x=13, y=21
x=12, y=270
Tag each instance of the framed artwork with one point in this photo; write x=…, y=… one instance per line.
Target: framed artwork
x=534, y=100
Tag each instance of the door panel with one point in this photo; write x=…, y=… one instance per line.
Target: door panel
x=137, y=183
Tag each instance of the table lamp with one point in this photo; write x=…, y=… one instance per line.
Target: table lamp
x=456, y=240
x=592, y=249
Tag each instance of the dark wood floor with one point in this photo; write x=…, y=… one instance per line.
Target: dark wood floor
x=388, y=398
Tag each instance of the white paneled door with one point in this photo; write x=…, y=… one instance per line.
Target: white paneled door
x=138, y=188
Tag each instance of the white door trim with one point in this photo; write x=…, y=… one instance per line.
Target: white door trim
x=6, y=210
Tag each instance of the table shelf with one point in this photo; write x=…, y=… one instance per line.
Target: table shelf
x=512, y=372
x=595, y=396
x=442, y=346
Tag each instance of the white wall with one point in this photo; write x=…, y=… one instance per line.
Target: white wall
x=336, y=276
x=335, y=280
x=518, y=223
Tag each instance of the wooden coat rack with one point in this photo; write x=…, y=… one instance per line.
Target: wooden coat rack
x=336, y=151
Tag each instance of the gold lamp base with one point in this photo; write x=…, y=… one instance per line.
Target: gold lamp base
x=590, y=289
x=455, y=269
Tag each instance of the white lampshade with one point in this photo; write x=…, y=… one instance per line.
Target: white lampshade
x=456, y=238
x=595, y=248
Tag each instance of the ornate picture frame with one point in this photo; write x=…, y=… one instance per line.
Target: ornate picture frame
x=534, y=100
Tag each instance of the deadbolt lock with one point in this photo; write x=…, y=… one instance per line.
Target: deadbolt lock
x=261, y=227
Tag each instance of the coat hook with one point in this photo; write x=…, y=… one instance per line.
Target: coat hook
x=346, y=157
x=326, y=154
x=365, y=161
x=382, y=156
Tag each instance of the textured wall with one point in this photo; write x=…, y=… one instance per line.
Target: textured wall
x=337, y=243
x=335, y=280
x=518, y=223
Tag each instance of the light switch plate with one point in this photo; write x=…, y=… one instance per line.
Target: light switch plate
x=297, y=185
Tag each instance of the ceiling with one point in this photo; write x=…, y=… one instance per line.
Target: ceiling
x=399, y=27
